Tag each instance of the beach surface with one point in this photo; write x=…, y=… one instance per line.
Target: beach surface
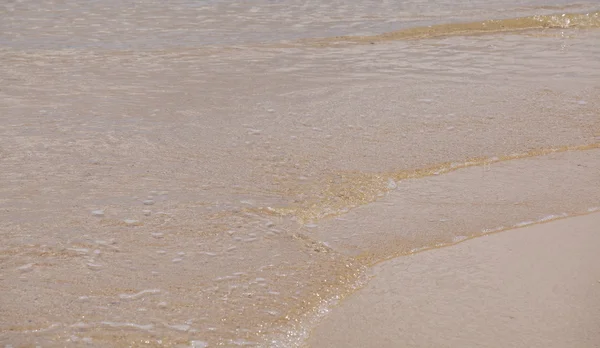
x=537, y=286
x=221, y=173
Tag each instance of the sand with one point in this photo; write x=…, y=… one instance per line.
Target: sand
x=537, y=286
x=217, y=172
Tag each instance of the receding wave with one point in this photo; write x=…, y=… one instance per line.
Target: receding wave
x=564, y=20
x=344, y=191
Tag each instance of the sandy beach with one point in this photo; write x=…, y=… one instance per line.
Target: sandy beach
x=537, y=286
x=220, y=173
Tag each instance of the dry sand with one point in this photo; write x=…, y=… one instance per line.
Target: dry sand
x=537, y=286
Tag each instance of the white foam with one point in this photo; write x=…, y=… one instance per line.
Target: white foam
x=296, y=335
x=80, y=325
x=138, y=294
x=179, y=327
x=242, y=342
x=26, y=268
x=198, y=344
x=491, y=230
x=391, y=184
x=552, y=217
x=147, y=327
x=457, y=239
x=219, y=279
x=94, y=266
x=254, y=131
x=523, y=224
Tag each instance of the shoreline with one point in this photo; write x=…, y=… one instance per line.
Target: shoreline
x=160, y=192
x=523, y=287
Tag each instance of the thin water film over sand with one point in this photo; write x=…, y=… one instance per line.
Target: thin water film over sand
x=168, y=179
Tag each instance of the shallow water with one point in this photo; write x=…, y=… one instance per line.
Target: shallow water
x=173, y=173
x=131, y=24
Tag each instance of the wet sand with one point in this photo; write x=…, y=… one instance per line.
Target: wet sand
x=537, y=286
x=220, y=174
